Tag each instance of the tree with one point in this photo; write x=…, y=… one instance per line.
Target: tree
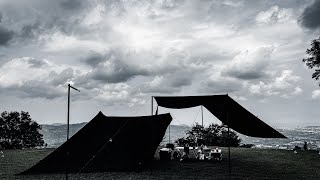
x=313, y=61
x=213, y=135
x=18, y=130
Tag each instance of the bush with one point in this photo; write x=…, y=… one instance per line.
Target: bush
x=213, y=135
x=18, y=130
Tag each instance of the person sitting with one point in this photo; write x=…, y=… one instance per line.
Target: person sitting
x=201, y=152
x=185, y=154
x=186, y=149
x=305, y=146
x=176, y=154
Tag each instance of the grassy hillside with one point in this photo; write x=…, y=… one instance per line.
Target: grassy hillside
x=246, y=164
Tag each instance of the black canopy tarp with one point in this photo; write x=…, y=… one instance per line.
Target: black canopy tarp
x=226, y=110
x=107, y=144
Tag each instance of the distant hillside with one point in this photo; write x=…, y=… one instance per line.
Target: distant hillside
x=176, y=131
x=55, y=134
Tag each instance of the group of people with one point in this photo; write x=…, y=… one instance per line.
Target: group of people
x=305, y=147
x=185, y=154
x=200, y=154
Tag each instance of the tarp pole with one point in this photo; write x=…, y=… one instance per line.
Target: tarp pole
x=229, y=154
x=169, y=134
x=68, y=126
x=68, y=120
x=202, y=115
x=151, y=134
x=151, y=105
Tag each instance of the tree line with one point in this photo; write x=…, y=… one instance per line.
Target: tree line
x=213, y=135
x=18, y=130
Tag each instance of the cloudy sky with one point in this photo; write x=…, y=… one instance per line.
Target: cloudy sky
x=120, y=53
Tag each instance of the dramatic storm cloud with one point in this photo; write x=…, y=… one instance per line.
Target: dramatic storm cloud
x=120, y=53
x=5, y=36
x=310, y=16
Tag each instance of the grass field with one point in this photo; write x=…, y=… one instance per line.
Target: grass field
x=246, y=164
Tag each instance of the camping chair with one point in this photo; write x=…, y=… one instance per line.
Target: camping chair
x=165, y=154
x=215, y=154
x=206, y=152
x=170, y=146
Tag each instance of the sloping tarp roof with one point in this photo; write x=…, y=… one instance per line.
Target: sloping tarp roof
x=107, y=144
x=226, y=110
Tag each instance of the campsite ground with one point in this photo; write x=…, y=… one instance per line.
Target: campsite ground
x=246, y=164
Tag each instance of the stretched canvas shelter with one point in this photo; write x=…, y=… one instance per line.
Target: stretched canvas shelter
x=226, y=110
x=107, y=144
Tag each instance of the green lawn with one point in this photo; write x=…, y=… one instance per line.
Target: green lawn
x=246, y=164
